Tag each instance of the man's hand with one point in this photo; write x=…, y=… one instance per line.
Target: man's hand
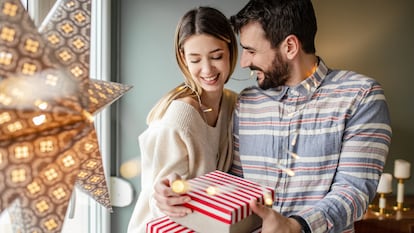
x=273, y=222
x=168, y=201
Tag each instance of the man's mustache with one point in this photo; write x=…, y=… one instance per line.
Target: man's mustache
x=252, y=68
x=255, y=68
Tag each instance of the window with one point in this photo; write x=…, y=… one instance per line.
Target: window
x=84, y=215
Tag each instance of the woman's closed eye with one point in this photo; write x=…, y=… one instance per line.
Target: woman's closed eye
x=215, y=57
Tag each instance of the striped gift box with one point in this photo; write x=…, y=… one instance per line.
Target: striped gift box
x=166, y=225
x=220, y=203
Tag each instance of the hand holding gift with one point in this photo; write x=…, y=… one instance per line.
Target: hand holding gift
x=168, y=201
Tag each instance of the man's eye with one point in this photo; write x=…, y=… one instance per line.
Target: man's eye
x=251, y=52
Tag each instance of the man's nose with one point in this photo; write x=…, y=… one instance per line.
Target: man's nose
x=245, y=59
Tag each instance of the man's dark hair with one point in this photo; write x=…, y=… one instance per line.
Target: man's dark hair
x=279, y=19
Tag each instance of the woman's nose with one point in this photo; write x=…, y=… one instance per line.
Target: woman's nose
x=206, y=68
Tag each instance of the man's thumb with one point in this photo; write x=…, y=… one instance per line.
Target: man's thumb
x=258, y=208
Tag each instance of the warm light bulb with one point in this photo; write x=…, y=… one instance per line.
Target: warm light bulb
x=130, y=169
x=211, y=190
x=293, y=154
x=180, y=186
x=289, y=172
x=268, y=200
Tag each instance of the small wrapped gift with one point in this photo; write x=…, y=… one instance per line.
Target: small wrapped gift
x=220, y=204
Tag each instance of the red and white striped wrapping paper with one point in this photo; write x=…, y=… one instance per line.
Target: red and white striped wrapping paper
x=166, y=225
x=228, y=210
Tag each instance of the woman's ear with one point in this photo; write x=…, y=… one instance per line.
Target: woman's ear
x=292, y=46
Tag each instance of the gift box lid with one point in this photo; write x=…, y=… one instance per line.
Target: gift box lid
x=225, y=197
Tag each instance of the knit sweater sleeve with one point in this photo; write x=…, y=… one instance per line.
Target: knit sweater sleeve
x=163, y=151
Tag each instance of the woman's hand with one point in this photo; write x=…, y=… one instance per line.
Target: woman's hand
x=169, y=202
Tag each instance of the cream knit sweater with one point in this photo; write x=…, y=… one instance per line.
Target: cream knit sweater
x=181, y=142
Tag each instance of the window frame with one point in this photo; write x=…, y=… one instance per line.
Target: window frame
x=98, y=217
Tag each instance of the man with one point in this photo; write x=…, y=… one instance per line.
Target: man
x=320, y=137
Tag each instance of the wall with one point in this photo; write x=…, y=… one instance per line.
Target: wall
x=375, y=38
x=371, y=37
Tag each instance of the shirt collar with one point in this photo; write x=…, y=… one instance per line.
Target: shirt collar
x=306, y=88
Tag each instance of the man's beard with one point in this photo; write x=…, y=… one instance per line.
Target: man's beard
x=277, y=76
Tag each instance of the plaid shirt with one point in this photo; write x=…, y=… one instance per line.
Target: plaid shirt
x=332, y=130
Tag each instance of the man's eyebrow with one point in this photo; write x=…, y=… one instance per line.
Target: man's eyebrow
x=246, y=47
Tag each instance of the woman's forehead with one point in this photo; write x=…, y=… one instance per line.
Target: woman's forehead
x=203, y=43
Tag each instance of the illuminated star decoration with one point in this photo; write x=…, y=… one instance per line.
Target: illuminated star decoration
x=48, y=140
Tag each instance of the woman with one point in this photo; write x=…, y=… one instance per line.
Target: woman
x=189, y=129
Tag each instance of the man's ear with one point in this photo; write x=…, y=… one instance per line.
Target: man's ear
x=291, y=46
